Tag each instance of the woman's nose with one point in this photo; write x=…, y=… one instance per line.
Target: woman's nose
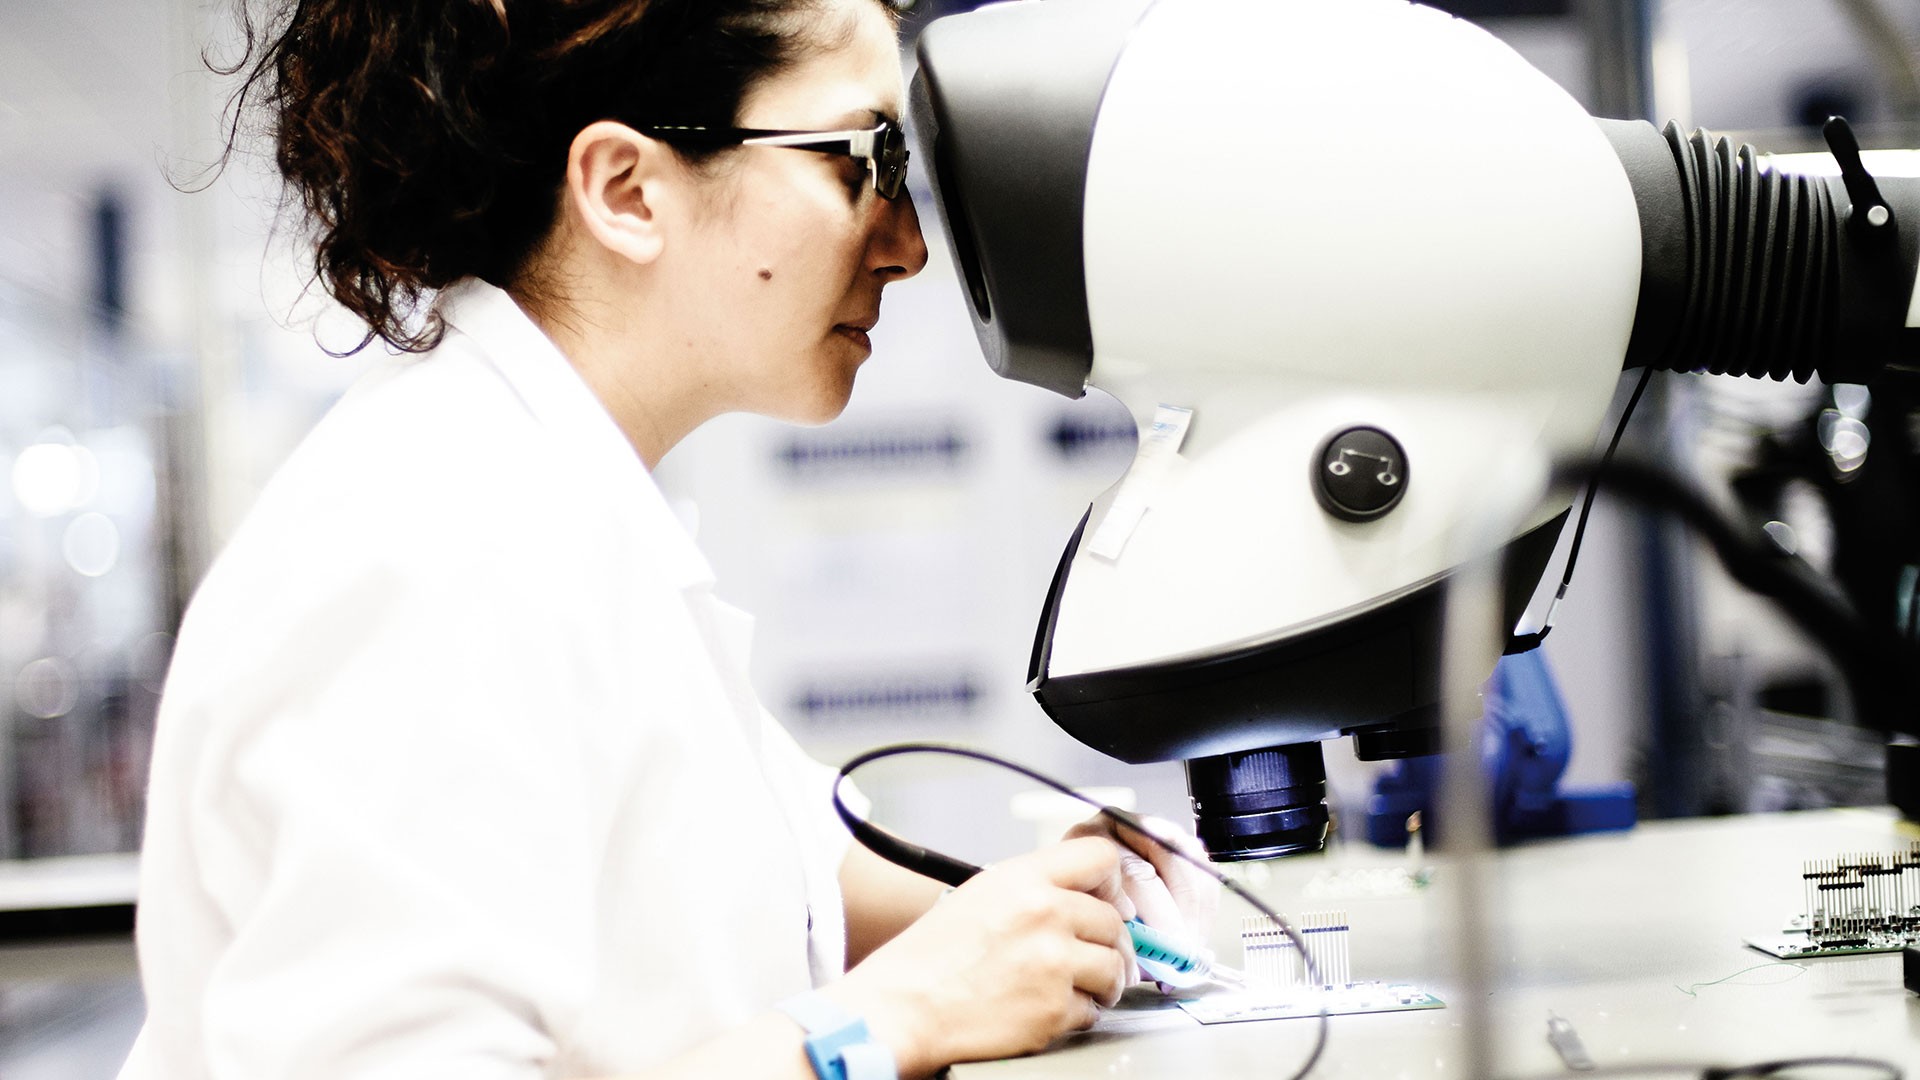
x=898, y=250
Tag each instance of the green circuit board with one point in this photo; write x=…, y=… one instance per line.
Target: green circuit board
x=1865, y=902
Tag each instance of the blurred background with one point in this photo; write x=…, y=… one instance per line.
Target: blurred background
x=160, y=354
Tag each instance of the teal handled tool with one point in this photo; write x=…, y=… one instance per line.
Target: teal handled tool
x=1167, y=963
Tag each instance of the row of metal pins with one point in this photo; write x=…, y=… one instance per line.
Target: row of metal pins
x=1854, y=895
x=1271, y=961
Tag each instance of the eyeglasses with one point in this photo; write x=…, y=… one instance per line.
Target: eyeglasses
x=883, y=147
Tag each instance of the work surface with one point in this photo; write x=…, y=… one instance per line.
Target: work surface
x=1620, y=934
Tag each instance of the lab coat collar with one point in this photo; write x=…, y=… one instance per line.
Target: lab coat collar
x=563, y=404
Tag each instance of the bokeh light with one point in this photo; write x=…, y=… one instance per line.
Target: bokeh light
x=47, y=688
x=92, y=544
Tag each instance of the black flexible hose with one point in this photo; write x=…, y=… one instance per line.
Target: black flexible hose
x=1879, y=666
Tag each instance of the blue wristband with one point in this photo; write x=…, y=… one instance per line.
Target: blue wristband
x=838, y=1044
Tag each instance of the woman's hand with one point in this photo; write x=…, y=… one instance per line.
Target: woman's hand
x=1027, y=950
x=1171, y=894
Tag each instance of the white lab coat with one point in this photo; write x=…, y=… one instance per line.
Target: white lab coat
x=457, y=772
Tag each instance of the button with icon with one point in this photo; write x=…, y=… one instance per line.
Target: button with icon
x=1359, y=474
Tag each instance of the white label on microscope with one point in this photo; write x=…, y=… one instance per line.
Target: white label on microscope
x=1159, y=445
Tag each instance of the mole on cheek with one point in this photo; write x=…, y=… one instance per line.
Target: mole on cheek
x=766, y=275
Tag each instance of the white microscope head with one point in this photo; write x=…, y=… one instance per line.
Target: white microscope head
x=1346, y=262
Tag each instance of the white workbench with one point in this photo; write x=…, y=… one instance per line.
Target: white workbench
x=1605, y=931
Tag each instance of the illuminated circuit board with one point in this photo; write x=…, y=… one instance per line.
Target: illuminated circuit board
x=1860, y=903
x=1277, y=984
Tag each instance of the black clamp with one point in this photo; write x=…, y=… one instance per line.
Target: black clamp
x=1870, y=215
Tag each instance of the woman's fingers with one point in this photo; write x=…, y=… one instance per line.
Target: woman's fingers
x=1166, y=890
x=1151, y=897
x=1090, y=865
x=1100, y=972
x=1095, y=922
x=1194, y=892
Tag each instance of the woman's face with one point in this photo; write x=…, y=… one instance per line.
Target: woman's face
x=798, y=245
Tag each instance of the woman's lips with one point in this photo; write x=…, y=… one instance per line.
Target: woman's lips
x=856, y=335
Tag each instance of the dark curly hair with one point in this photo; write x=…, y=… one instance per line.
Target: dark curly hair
x=426, y=140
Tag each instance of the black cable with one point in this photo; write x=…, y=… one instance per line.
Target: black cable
x=951, y=871
x=1593, y=485
x=1774, y=1068
x=1523, y=642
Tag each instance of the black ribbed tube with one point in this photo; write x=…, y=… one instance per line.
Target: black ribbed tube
x=1749, y=271
x=1762, y=269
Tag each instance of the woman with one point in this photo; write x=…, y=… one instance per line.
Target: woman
x=458, y=772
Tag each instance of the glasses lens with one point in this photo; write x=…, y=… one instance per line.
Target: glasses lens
x=890, y=169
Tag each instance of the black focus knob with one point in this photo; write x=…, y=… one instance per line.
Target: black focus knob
x=1359, y=474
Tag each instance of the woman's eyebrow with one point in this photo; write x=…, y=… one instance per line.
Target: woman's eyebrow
x=863, y=118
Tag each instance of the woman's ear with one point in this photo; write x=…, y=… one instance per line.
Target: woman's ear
x=618, y=183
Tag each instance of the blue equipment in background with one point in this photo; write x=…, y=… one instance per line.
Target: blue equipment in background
x=1524, y=747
